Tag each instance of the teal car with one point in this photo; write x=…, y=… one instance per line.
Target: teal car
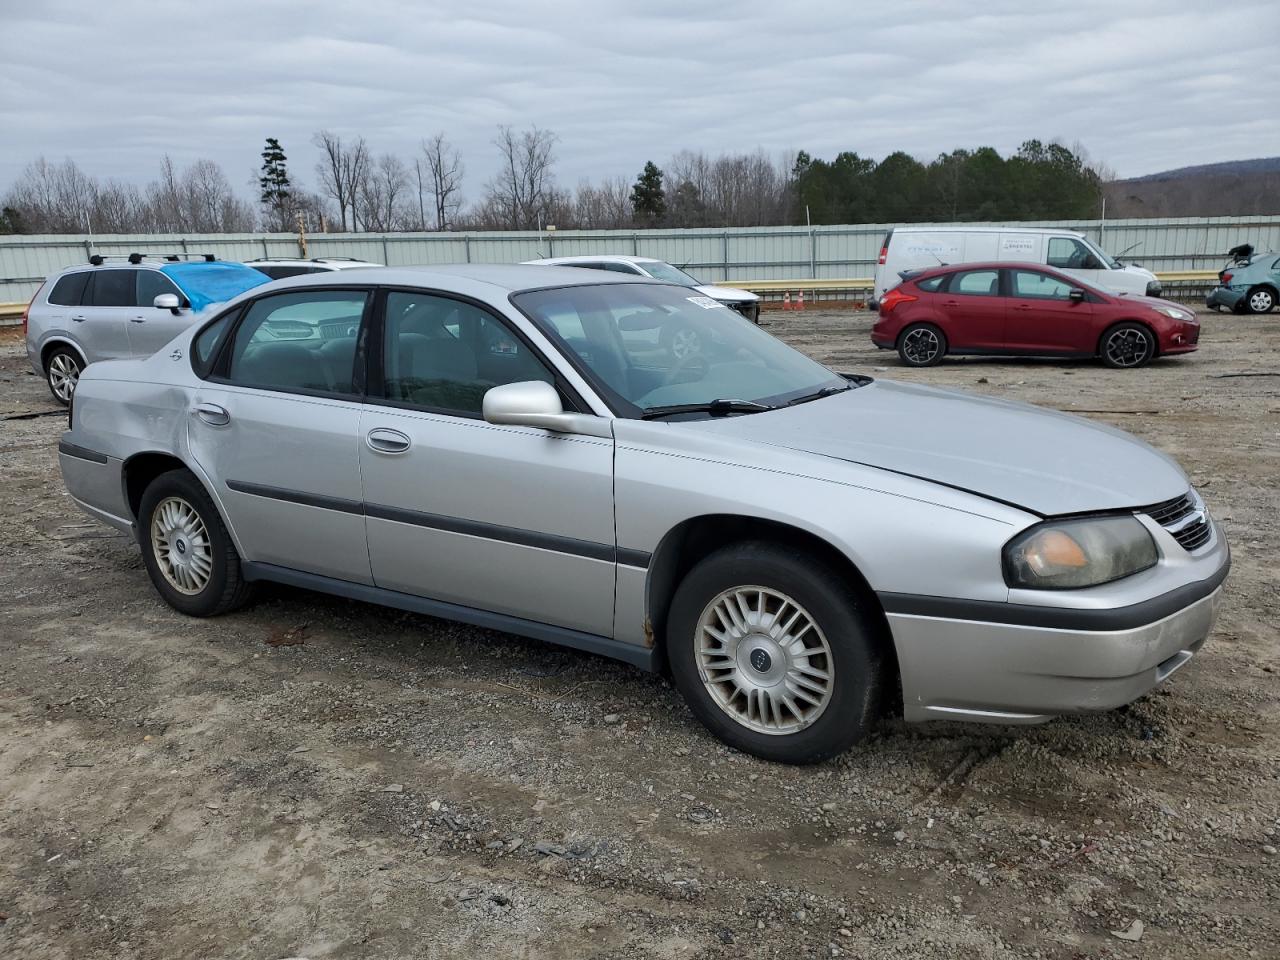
x=1249, y=285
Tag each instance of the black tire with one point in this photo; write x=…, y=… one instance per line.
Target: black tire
x=62, y=369
x=854, y=661
x=922, y=345
x=223, y=588
x=1127, y=346
x=1260, y=299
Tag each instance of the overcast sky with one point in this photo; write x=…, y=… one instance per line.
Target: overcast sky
x=1145, y=86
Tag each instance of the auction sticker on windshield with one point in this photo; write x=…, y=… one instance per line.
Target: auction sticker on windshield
x=706, y=303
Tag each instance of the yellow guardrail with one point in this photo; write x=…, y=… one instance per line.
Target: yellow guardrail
x=12, y=311
x=865, y=283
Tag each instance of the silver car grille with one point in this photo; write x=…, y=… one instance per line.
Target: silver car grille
x=1185, y=518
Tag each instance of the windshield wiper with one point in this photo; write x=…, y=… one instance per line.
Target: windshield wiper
x=717, y=408
x=818, y=395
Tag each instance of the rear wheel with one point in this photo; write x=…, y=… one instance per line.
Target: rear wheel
x=922, y=345
x=1127, y=345
x=773, y=653
x=62, y=372
x=186, y=548
x=1261, y=300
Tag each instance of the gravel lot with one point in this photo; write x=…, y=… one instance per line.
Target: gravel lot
x=317, y=778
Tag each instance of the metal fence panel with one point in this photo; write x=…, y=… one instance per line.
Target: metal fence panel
x=739, y=253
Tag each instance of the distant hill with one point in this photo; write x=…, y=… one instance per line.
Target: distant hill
x=1233, y=188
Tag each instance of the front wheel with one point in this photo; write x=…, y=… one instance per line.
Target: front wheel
x=774, y=654
x=1261, y=300
x=62, y=372
x=922, y=345
x=1128, y=345
x=186, y=548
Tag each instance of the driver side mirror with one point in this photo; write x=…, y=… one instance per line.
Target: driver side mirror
x=534, y=403
x=167, y=301
x=1076, y=295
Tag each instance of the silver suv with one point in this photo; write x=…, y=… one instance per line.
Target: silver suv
x=117, y=307
x=482, y=443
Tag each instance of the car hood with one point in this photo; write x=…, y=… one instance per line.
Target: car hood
x=1040, y=460
x=726, y=294
x=1140, y=271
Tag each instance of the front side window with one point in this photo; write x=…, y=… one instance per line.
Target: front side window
x=444, y=355
x=1068, y=253
x=976, y=283
x=299, y=341
x=114, y=288
x=652, y=345
x=665, y=271
x=618, y=267
x=152, y=283
x=69, y=290
x=1039, y=286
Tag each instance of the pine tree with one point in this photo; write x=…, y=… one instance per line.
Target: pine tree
x=277, y=193
x=648, y=200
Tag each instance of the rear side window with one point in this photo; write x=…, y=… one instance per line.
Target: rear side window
x=280, y=272
x=113, y=288
x=976, y=283
x=205, y=346
x=618, y=267
x=152, y=283
x=932, y=284
x=299, y=341
x=69, y=290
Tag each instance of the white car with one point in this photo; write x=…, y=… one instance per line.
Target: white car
x=278, y=268
x=743, y=301
x=920, y=248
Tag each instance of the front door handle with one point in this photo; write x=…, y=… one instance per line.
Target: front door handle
x=213, y=414
x=138, y=320
x=80, y=319
x=951, y=303
x=386, y=440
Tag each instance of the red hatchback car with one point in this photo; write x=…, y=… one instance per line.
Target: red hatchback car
x=1024, y=309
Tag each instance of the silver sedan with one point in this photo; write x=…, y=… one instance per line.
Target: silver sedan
x=503, y=446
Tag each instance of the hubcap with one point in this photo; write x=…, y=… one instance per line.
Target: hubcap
x=685, y=343
x=764, y=660
x=181, y=546
x=1128, y=348
x=1260, y=302
x=64, y=373
x=921, y=346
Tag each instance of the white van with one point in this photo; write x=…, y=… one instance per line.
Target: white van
x=916, y=248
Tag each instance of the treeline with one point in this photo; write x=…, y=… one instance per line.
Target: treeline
x=358, y=190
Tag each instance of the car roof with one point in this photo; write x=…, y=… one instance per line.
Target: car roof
x=143, y=265
x=927, y=272
x=610, y=257
x=511, y=277
x=1056, y=231
x=338, y=263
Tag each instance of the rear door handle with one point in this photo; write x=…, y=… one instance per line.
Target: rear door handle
x=213, y=414
x=80, y=319
x=386, y=440
x=951, y=303
x=138, y=320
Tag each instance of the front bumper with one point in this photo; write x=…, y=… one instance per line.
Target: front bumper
x=970, y=669
x=748, y=308
x=1224, y=297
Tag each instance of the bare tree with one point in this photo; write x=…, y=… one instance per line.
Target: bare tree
x=341, y=170
x=444, y=166
x=382, y=192
x=518, y=194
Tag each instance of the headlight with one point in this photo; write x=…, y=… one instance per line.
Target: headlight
x=1064, y=554
x=1175, y=313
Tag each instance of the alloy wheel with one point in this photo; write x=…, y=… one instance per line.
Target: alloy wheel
x=685, y=342
x=764, y=660
x=921, y=346
x=1128, y=347
x=1261, y=301
x=180, y=544
x=64, y=374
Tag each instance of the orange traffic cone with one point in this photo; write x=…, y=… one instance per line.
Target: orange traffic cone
x=800, y=302
x=786, y=300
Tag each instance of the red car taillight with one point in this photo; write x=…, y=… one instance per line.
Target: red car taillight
x=893, y=298
x=1225, y=277
x=884, y=255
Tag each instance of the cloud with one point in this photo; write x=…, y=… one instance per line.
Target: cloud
x=1143, y=85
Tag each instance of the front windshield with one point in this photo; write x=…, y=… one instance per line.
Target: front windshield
x=1111, y=262
x=649, y=346
x=665, y=271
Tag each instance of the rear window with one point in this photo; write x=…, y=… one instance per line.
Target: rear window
x=280, y=271
x=69, y=290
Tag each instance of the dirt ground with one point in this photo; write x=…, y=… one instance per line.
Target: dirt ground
x=318, y=778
